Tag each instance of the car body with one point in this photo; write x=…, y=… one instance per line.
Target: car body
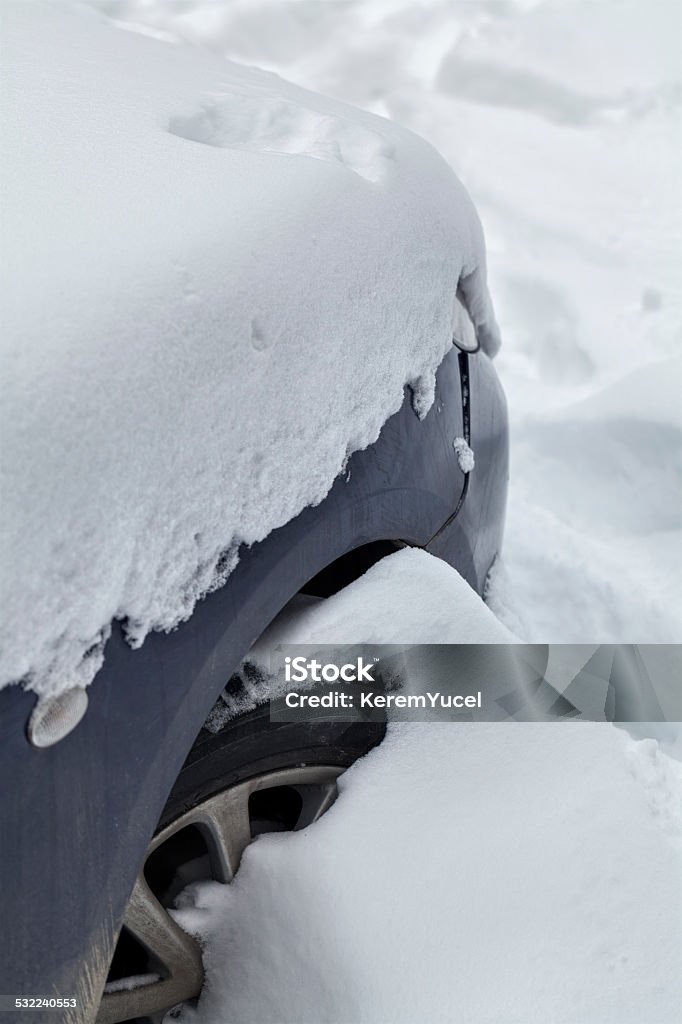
x=77, y=816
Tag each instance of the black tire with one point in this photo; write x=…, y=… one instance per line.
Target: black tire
x=247, y=748
x=251, y=745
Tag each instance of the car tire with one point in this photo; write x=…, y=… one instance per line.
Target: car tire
x=245, y=778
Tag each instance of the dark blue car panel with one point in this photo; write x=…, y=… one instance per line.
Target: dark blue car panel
x=77, y=817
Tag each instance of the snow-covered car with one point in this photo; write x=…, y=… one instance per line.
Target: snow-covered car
x=229, y=378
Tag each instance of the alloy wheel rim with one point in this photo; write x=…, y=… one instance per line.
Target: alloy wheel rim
x=226, y=824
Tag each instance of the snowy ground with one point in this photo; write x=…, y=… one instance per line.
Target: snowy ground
x=533, y=878
x=469, y=874
x=562, y=118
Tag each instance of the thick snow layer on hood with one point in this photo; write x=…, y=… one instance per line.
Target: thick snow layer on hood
x=516, y=873
x=217, y=288
x=563, y=119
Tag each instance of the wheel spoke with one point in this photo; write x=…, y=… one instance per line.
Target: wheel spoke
x=177, y=952
x=226, y=818
x=155, y=929
x=224, y=821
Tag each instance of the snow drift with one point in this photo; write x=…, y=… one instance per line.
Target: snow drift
x=410, y=597
x=218, y=286
x=503, y=872
x=472, y=872
x=533, y=876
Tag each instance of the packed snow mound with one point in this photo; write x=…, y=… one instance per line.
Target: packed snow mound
x=219, y=285
x=378, y=608
x=410, y=597
x=628, y=59
x=406, y=901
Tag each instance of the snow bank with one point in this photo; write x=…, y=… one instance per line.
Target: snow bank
x=410, y=597
x=219, y=285
x=596, y=512
x=448, y=843
x=498, y=873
